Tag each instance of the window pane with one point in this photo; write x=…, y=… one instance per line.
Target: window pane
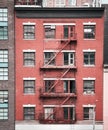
x=89, y=31
x=29, y=86
x=89, y=86
x=49, y=31
x=3, y=24
x=29, y=58
x=89, y=58
x=3, y=105
x=29, y=32
x=29, y=113
x=48, y=59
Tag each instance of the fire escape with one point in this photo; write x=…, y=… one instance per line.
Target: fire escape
x=70, y=39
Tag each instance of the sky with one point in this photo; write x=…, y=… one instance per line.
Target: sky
x=105, y=1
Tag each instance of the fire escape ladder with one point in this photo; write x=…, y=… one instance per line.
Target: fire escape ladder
x=67, y=42
x=65, y=100
x=59, y=79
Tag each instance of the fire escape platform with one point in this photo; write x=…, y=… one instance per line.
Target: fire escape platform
x=56, y=95
x=48, y=67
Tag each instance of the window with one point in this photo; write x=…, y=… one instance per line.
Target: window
x=48, y=58
x=89, y=31
x=29, y=58
x=48, y=85
x=68, y=58
x=88, y=113
x=68, y=113
x=69, y=31
x=29, y=113
x=29, y=31
x=49, y=113
x=29, y=86
x=59, y=3
x=3, y=24
x=49, y=31
x=3, y=64
x=69, y=86
x=89, y=86
x=3, y=105
x=89, y=58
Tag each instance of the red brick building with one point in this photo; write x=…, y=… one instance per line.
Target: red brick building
x=59, y=57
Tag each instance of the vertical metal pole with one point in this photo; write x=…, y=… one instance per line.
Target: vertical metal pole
x=94, y=114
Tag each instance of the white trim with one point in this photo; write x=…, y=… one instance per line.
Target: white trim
x=51, y=51
x=33, y=6
x=59, y=24
x=67, y=79
x=49, y=78
x=89, y=105
x=29, y=78
x=29, y=50
x=49, y=105
x=29, y=23
x=89, y=78
x=89, y=50
x=68, y=51
x=58, y=105
x=29, y=105
x=89, y=23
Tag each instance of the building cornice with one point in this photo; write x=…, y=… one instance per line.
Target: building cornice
x=34, y=12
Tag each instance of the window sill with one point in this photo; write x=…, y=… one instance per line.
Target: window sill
x=88, y=94
x=29, y=66
x=89, y=39
x=89, y=65
x=28, y=94
x=29, y=39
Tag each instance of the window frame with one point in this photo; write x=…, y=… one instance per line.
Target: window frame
x=49, y=114
x=47, y=58
x=4, y=105
x=49, y=31
x=50, y=83
x=87, y=59
x=32, y=87
x=86, y=30
x=29, y=31
x=67, y=59
x=27, y=59
x=4, y=64
x=88, y=115
x=4, y=23
x=88, y=90
x=30, y=115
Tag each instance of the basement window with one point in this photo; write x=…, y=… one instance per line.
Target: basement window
x=88, y=113
x=29, y=113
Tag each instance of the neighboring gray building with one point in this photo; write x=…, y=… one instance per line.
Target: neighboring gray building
x=7, y=65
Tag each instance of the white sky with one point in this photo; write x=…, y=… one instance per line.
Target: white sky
x=105, y=1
